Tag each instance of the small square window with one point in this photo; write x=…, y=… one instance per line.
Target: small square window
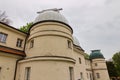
x=19, y=42
x=96, y=64
x=3, y=37
x=69, y=44
x=98, y=75
x=31, y=43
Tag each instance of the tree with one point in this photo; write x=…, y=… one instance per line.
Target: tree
x=26, y=27
x=86, y=56
x=116, y=61
x=4, y=18
x=111, y=69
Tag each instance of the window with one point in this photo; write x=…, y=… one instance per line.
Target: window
x=87, y=75
x=81, y=75
x=19, y=42
x=27, y=73
x=80, y=60
x=96, y=64
x=69, y=44
x=71, y=73
x=3, y=37
x=98, y=75
x=31, y=43
x=91, y=78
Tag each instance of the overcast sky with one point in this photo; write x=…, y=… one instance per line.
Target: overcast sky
x=96, y=23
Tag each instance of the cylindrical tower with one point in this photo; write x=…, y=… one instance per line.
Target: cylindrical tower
x=99, y=67
x=49, y=49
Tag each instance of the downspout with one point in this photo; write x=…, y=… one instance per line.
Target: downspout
x=16, y=65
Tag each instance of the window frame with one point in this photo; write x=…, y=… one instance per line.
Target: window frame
x=3, y=37
x=81, y=75
x=80, y=62
x=27, y=73
x=71, y=71
x=69, y=44
x=96, y=64
x=88, y=75
x=32, y=43
x=19, y=42
x=98, y=75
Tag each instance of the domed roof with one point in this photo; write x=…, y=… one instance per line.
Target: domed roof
x=96, y=54
x=76, y=41
x=50, y=14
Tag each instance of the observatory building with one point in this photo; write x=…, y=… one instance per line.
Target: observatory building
x=49, y=51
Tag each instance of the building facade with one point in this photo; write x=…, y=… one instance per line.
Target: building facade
x=49, y=51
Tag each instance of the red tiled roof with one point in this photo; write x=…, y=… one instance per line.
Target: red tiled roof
x=11, y=51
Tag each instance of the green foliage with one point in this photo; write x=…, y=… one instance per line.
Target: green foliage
x=116, y=61
x=26, y=27
x=86, y=56
x=111, y=69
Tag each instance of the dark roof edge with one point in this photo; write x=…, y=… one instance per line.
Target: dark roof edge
x=51, y=21
x=97, y=58
x=15, y=50
x=12, y=27
x=78, y=47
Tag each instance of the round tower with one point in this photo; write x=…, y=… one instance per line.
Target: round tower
x=49, y=49
x=50, y=35
x=99, y=67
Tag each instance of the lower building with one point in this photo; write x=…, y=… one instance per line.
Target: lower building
x=49, y=51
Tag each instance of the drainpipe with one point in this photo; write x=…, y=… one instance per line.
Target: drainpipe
x=16, y=65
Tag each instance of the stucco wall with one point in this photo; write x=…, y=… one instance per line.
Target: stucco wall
x=101, y=68
x=7, y=64
x=50, y=40
x=45, y=69
x=79, y=67
x=12, y=36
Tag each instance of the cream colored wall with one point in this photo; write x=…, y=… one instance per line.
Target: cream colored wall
x=100, y=62
x=12, y=37
x=50, y=40
x=45, y=69
x=50, y=46
x=103, y=75
x=54, y=26
x=88, y=64
x=7, y=64
x=101, y=68
x=50, y=28
x=89, y=69
x=90, y=75
x=79, y=67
